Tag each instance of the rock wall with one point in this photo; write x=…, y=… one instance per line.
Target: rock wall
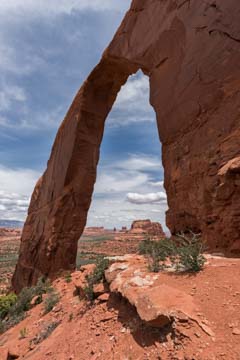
x=191, y=52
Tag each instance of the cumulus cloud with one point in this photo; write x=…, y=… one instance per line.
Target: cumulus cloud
x=119, y=181
x=133, y=179
x=132, y=104
x=146, y=198
x=138, y=162
x=125, y=175
x=16, y=187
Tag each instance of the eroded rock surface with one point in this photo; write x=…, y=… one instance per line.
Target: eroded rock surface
x=191, y=52
x=157, y=304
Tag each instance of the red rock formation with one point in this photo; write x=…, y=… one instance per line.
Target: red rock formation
x=147, y=227
x=190, y=51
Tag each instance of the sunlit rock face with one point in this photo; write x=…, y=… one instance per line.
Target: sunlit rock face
x=191, y=52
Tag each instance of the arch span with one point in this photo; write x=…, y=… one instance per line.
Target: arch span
x=192, y=59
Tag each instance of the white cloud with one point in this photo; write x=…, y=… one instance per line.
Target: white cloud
x=127, y=175
x=16, y=61
x=119, y=181
x=114, y=182
x=140, y=162
x=135, y=90
x=10, y=94
x=132, y=104
x=150, y=198
x=17, y=181
x=156, y=183
x=16, y=187
x=55, y=7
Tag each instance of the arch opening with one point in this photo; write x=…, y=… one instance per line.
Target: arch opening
x=129, y=183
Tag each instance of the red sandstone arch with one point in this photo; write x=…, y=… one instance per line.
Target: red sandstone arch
x=190, y=51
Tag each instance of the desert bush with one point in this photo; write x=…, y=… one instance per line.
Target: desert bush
x=25, y=297
x=23, y=302
x=96, y=277
x=51, y=300
x=191, y=252
x=43, y=287
x=184, y=253
x=158, y=252
x=16, y=312
x=160, y=249
x=6, y=302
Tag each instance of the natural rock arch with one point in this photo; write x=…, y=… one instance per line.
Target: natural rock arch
x=190, y=51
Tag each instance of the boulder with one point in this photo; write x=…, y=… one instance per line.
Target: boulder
x=156, y=304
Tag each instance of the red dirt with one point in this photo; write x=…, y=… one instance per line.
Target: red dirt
x=113, y=330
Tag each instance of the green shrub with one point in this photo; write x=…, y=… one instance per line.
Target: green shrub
x=25, y=297
x=51, y=300
x=13, y=314
x=6, y=302
x=23, y=302
x=184, y=253
x=158, y=249
x=43, y=286
x=190, y=253
x=95, y=277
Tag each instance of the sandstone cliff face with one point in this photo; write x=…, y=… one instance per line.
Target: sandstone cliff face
x=191, y=52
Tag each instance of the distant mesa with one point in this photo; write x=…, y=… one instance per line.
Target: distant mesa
x=10, y=232
x=124, y=229
x=147, y=227
x=138, y=227
x=94, y=230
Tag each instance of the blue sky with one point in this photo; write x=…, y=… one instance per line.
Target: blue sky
x=47, y=49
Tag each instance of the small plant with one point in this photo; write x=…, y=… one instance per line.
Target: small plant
x=190, y=253
x=25, y=297
x=23, y=333
x=23, y=302
x=13, y=308
x=154, y=265
x=70, y=317
x=185, y=253
x=6, y=302
x=68, y=278
x=45, y=333
x=51, y=300
x=96, y=277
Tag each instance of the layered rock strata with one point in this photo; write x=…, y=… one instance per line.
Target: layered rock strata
x=191, y=52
